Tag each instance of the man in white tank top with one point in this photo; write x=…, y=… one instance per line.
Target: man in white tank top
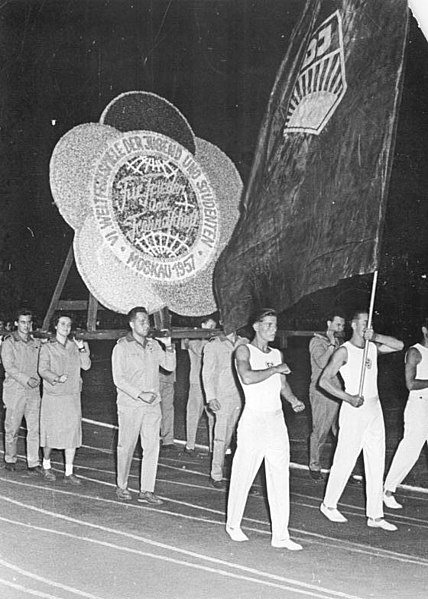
x=262, y=434
x=361, y=425
x=415, y=418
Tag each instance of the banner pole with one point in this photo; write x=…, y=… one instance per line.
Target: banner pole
x=369, y=324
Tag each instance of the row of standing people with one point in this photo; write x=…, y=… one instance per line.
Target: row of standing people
x=53, y=420
x=136, y=361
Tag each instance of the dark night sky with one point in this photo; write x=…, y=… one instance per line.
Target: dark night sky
x=63, y=61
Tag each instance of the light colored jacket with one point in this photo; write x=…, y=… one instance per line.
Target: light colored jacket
x=20, y=359
x=56, y=359
x=319, y=350
x=136, y=369
x=218, y=372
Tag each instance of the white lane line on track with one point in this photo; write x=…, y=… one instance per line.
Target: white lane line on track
x=26, y=590
x=315, y=538
x=348, y=508
x=47, y=581
x=281, y=581
x=400, y=518
x=423, y=491
x=293, y=465
x=352, y=510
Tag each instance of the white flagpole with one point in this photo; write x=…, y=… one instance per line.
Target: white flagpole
x=369, y=324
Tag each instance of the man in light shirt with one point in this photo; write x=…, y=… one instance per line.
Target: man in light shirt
x=361, y=425
x=135, y=363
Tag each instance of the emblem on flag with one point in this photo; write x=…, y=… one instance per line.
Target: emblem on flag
x=321, y=83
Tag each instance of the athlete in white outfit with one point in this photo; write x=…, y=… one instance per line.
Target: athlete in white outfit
x=415, y=418
x=361, y=425
x=262, y=434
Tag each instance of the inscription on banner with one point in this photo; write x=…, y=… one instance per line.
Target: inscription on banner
x=155, y=207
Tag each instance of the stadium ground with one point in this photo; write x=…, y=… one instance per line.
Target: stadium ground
x=59, y=542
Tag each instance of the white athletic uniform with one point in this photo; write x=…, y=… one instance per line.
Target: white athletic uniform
x=262, y=434
x=359, y=429
x=415, y=428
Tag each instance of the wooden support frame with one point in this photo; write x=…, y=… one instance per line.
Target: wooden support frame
x=162, y=318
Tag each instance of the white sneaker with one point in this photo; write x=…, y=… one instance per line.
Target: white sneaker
x=287, y=544
x=391, y=502
x=236, y=534
x=332, y=514
x=383, y=524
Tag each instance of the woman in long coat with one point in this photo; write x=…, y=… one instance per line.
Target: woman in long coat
x=60, y=362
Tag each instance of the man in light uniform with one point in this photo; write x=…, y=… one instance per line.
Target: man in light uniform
x=167, y=393
x=415, y=418
x=361, y=425
x=324, y=407
x=21, y=392
x=135, y=364
x=195, y=401
x=262, y=433
x=223, y=396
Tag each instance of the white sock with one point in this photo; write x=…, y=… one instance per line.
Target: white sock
x=46, y=464
x=68, y=469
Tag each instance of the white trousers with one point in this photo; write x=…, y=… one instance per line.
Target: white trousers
x=261, y=436
x=409, y=449
x=359, y=429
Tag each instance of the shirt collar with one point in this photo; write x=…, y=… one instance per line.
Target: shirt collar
x=130, y=338
x=18, y=337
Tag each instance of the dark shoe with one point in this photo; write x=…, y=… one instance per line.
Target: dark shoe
x=194, y=453
x=48, y=474
x=72, y=480
x=123, y=494
x=169, y=447
x=35, y=471
x=190, y=452
x=353, y=480
x=149, y=497
x=316, y=475
x=217, y=484
x=10, y=466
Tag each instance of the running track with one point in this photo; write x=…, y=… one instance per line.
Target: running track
x=59, y=542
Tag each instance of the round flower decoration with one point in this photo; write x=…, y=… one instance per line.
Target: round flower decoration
x=151, y=204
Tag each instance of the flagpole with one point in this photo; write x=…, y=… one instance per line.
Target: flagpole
x=369, y=324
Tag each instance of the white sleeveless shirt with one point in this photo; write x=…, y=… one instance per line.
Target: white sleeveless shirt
x=351, y=371
x=266, y=395
x=421, y=371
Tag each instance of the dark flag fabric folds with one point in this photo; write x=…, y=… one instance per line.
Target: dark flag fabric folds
x=315, y=202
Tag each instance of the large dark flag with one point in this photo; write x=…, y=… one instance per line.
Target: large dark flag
x=315, y=202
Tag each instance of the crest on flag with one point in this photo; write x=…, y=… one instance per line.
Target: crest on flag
x=321, y=83
x=314, y=207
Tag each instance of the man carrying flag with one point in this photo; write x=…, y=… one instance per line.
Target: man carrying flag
x=361, y=425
